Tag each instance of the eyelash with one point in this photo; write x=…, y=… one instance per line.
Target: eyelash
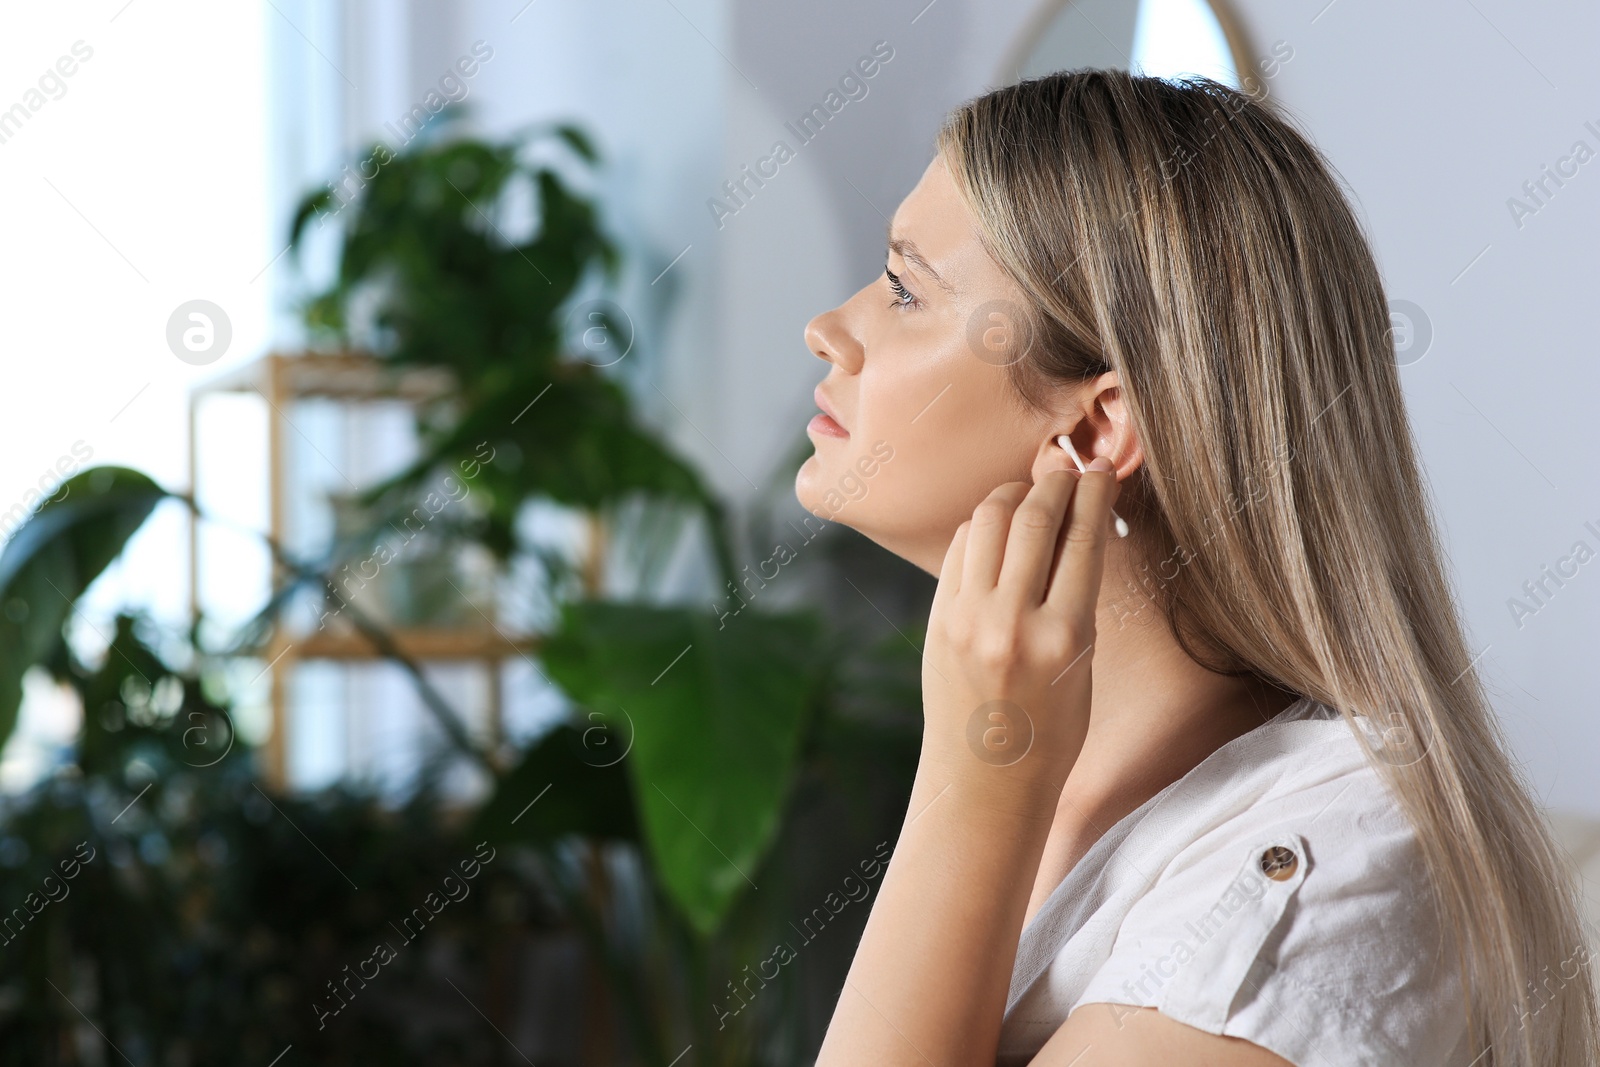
x=904, y=298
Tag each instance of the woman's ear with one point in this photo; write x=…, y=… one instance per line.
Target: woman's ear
x=1105, y=427
x=1051, y=456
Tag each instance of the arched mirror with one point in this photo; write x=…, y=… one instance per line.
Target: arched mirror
x=1165, y=38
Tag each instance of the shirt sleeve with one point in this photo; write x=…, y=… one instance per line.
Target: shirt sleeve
x=1304, y=925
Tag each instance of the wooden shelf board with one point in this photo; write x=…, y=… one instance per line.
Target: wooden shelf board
x=419, y=644
x=340, y=375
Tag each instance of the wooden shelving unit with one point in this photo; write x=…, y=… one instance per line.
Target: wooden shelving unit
x=282, y=380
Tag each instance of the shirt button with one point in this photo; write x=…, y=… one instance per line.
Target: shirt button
x=1279, y=863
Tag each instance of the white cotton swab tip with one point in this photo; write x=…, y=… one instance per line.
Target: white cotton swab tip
x=1066, y=442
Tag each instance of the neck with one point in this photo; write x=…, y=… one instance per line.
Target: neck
x=1156, y=713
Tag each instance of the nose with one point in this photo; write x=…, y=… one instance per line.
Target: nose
x=830, y=337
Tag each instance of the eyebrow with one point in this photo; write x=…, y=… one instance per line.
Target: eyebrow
x=907, y=250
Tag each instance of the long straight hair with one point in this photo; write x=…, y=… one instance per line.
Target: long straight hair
x=1185, y=236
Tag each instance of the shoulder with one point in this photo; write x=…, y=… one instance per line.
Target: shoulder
x=1297, y=915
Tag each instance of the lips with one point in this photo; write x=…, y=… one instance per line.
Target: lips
x=827, y=408
x=826, y=424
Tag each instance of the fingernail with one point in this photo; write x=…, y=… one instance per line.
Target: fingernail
x=1100, y=463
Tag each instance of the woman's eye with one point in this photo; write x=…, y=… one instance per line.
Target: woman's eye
x=904, y=298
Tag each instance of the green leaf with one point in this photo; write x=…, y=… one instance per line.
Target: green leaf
x=571, y=782
x=717, y=712
x=53, y=558
x=423, y=249
x=312, y=206
x=579, y=446
x=579, y=141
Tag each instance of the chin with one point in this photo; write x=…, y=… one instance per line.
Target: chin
x=813, y=488
x=849, y=489
x=807, y=482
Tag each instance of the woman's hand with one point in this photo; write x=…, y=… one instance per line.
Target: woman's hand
x=1005, y=671
x=1006, y=708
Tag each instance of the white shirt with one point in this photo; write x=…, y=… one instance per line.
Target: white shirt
x=1336, y=957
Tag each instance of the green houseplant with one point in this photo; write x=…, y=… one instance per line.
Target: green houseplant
x=740, y=768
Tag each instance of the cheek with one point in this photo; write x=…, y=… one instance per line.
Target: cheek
x=951, y=437
x=944, y=467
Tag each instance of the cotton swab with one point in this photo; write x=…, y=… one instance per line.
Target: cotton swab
x=1066, y=442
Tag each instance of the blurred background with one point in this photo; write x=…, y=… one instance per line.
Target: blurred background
x=411, y=650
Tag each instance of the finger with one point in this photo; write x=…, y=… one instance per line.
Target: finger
x=950, y=569
x=1035, y=532
x=1075, y=583
x=986, y=541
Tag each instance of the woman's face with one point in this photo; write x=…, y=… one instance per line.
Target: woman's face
x=927, y=420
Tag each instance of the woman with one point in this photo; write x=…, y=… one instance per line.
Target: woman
x=1226, y=790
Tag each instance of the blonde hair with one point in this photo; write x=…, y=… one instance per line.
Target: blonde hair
x=1183, y=235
